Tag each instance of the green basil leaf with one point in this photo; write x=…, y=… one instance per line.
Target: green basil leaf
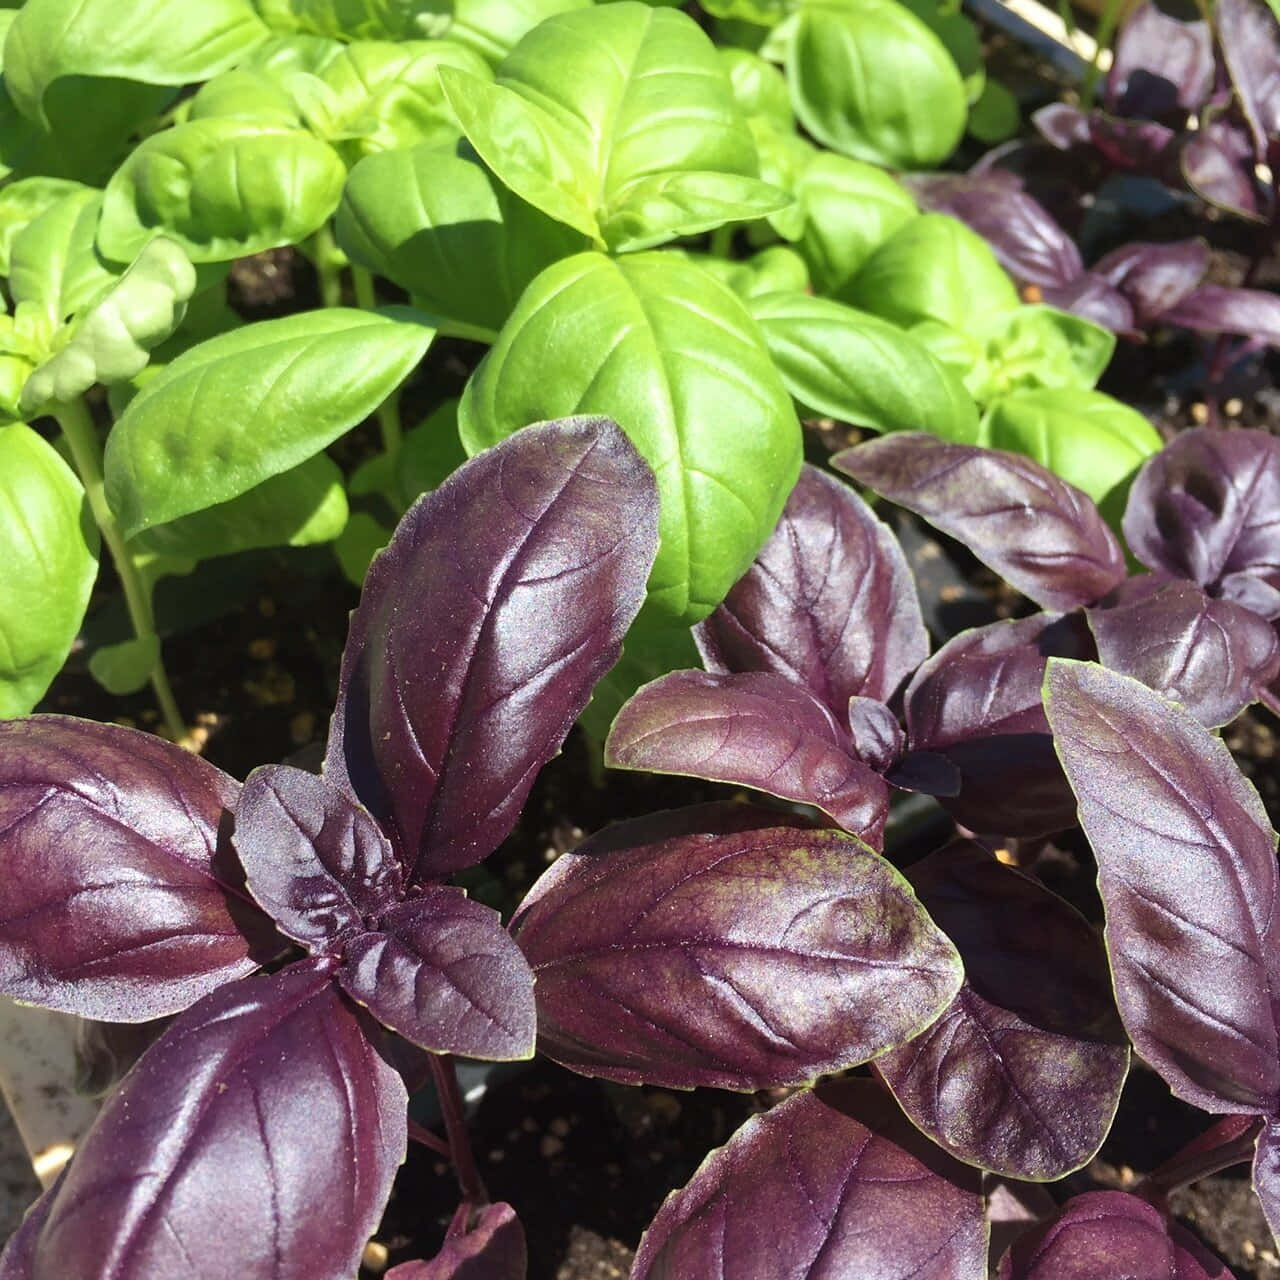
x=298, y=507
x=849, y=209
x=250, y=97
x=932, y=268
x=759, y=88
x=870, y=80
x=861, y=369
x=358, y=543
x=111, y=337
x=222, y=189
x=995, y=116
x=356, y=19
x=49, y=548
x=157, y=42
x=438, y=225
x=22, y=202
x=54, y=262
x=494, y=27
x=776, y=269
x=671, y=354
x=1037, y=346
x=1087, y=438
x=429, y=453
x=764, y=13
x=194, y=437
x=620, y=121
x=125, y=667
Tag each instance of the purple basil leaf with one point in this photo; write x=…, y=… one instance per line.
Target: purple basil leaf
x=829, y=601
x=1216, y=308
x=1109, y=1233
x=1154, y=277
x=754, y=728
x=259, y=1136
x=118, y=900
x=977, y=702
x=1218, y=165
x=315, y=860
x=1187, y=872
x=875, y=732
x=1266, y=1173
x=1038, y=532
x=1092, y=298
x=715, y=946
x=1062, y=125
x=1161, y=63
x=1247, y=33
x=1139, y=146
x=443, y=972
x=1207, y=507
x=1029, y=243
x=1213, y=656
x=525, y=569
x=18, y=1261
x=1022, y=1074
x=831, y=1184
x=928, y=772
x=494, y=1249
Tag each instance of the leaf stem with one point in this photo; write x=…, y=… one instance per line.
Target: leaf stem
x=77, y=426
x=455, y=1125
x=325, y=255
x=1104, y=40
x=471, y=332
x=722, y=241
x=1230, y=1141
x=389, y=410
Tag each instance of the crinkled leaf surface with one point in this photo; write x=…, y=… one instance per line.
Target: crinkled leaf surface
x=1187, y=872
x=1212, y=656
x=53, y=261
x=23, y=201
x=715, y=946
x=441, y=971
x=860, y=1194
x=673, y=355
x=858, y=368
x=49, y=549
x=494, y=1249
x=526, y=568
x=1161, y=63
x=1207, y=507
x=1044, y=536
x=829, y=602
x=314, y=861
x=353, y=19
x=119, y=900
x=259, y=1136
x=192, y=437
x=1109, y=1233
x=1022, y=1074
x=755, y=728
x=977, y=701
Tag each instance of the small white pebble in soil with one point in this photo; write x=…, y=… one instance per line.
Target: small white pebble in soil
x=1200, y=414
x=376, y=1256
x=1249, y=1249
x=550, y=1146
x=1233, y=407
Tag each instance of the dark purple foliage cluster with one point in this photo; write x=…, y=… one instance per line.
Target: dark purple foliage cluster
x=303, y=929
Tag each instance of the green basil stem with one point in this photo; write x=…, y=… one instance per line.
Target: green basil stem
x=77, y=426
x=326, y=256
x=722, y=241
x=1105, y=39
x=389, y=410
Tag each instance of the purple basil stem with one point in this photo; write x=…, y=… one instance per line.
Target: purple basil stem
x=757, y=729
x=1187, y=873
x=118, y=899
x=1215, y=308
x=315, y=860
x=494, y=1249
x=1022, y=1074
x=442, y=972
x=533, y=559
x=717, y=946
x=1041, y=534
x=1212, y=656
x=977, y=702
x=1109, y=1233
x=1161, y=63
x=1092, y=298
x=829, y=601
x=829, y=1185
x=1207, y=507
x=1154, y=277
x=213, y=1159
x=1250, y=42
x=1266, y=1173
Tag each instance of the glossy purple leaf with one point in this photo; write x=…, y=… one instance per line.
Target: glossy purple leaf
x=443, y=972
x=1022, y=1074
x=1266, y=1174
x=1217, y=163
x=1160, y=63
x=1250, y=41
x=1207, y=507
x=118, y=899
x=875, y=732
x=524, y=570
x=977, y=702
x=829, y=601
x=1216, y=308
x=494, y=1249
x=18, y=1260
x=259, y=1136
x=754, y=728
x=1187, y=873
x=829, y=1185
x=1030, y=245
x=1041, y=534
x=1094, y=299
x=716, y=946
x=1212, y=656
x=1062, y=125
x=1109, y=1233
x=1154, y=277
x=315, y=860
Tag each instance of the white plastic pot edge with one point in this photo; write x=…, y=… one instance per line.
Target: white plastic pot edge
x=1043, y=30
